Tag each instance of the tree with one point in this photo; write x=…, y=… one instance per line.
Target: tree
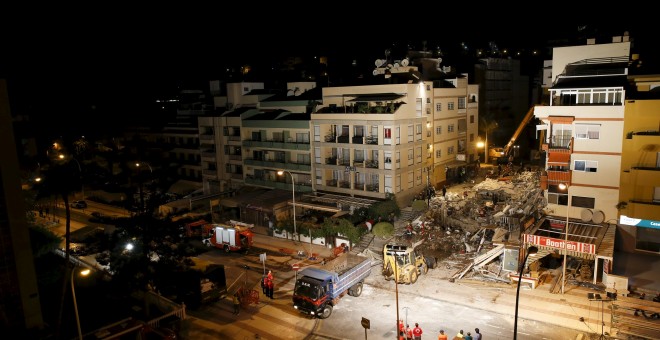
x=487, y=124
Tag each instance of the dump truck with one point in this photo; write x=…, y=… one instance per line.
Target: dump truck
x=405, y=262
x=319, y=288
x=234, y=237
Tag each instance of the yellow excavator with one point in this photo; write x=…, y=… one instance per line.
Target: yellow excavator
x=500, y=155
x=405, y=263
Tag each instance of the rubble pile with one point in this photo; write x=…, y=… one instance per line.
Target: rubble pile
x=467, y=227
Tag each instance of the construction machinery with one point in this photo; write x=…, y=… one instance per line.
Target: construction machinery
x=319, y=288
x=501, y=155
x=405, y=262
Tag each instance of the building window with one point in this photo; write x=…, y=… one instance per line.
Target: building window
x=450, y=128
x=583, y=202
x=461, y=103
x=557, y=196
x=410, y=179
x=586, y=166
x=450, y=150
x=438, y=130
x=587, y=131
x=471, y=119
x=438, y=107
x=438, y=153
x=428, y=87
x=450, y=106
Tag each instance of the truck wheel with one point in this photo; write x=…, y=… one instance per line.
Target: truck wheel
x=425, y=268
x=226, y=248
x=413, y=276
x=327, y=310
x=356, y=290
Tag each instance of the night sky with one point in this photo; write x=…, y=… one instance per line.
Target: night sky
x=103, y=70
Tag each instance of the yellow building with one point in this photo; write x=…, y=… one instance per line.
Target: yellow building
x=639, y=194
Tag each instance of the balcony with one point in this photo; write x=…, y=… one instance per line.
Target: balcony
x=373, y=187
x=331, y=160
x=644, y=209
x=372, y=164
x=276, y=144
x=344, y=162
x=554, y=177
x=372, y=140
x=358, y=186
x=358, y=140
x=342, y=139
x=645, y=176
x=345, y=184
x=330, y=138
x=331, y=183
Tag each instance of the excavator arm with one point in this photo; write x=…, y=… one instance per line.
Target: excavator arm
x=518, y=131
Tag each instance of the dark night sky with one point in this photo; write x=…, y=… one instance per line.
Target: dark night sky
x=60, y=68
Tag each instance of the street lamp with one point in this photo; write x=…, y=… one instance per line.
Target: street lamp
x=83, y=272
x=293, y=190
x=480, y=145
x=566, y=187
x=530, y=251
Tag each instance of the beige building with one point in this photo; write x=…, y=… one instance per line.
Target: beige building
x=399, y=139
x=586, y=112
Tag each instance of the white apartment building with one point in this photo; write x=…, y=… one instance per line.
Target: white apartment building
x=583, y=127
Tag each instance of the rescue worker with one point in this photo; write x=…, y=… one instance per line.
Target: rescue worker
x=237, y=304
x=409, y=332
x=417, y=332
x=270, y=284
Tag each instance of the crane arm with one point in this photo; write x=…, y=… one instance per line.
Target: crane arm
x=519, y=130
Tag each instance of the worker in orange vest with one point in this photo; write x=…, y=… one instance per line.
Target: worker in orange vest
x=409, y=332
x=270, y=284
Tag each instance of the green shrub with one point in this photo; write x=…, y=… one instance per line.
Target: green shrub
x=419, y=205
x=383, y=229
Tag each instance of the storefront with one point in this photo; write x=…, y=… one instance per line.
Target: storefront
x=587, y=241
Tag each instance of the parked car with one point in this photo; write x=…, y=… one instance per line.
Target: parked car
x=80, y=204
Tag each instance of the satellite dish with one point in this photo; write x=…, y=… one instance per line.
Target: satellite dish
x=439, y=60
x=379, y=62
x=396, y=65
x=405, y=62
x=389, y=65
x=375, y=72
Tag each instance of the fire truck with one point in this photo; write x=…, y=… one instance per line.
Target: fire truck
x=235, y=236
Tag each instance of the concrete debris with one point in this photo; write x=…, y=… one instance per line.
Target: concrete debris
x=467, y=228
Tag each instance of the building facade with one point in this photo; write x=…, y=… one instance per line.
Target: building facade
x=639, y=195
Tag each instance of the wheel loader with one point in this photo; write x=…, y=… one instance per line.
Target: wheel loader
x=404, y=261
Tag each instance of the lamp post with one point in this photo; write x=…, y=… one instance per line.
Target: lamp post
x=566, y=187
x=82, y=186
x=83, y=272
x=480, y=145
x=530, y=251
x=396, y=289
x=293, y=191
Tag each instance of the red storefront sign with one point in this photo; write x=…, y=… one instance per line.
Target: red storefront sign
x=559, y=244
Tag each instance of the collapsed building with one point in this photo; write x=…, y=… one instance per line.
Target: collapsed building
x=479, y=230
